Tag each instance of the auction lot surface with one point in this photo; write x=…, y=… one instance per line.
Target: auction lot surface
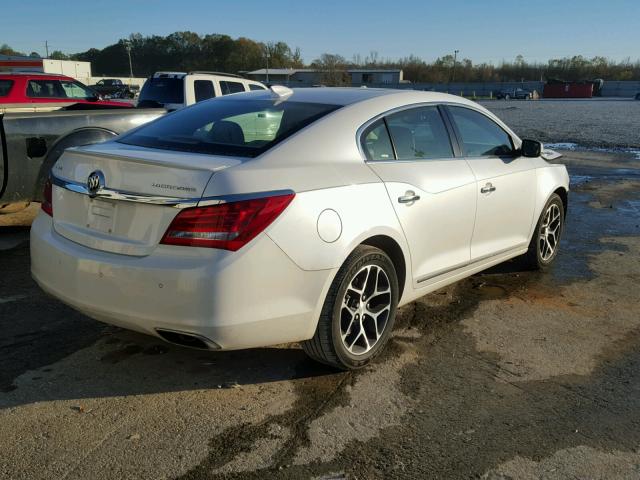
x=508, y=374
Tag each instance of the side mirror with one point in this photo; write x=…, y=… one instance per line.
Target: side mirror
x=531, y=148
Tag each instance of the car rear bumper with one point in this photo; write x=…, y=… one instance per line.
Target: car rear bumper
x=254, y=297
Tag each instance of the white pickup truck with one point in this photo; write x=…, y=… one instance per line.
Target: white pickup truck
x=174, y=90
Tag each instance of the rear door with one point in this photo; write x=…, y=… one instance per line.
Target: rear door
x=432, y=190
x=46, y=91
x=506, y=183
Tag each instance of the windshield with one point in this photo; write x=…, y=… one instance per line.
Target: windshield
x=163, y=90
x=228, y=127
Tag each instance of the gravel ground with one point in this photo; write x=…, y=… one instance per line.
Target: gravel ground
x=507, y=375
x=608, y=123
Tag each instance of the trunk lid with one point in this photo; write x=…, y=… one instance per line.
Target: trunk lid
x=118, y=225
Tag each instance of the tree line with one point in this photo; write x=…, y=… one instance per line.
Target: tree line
x=189, y=51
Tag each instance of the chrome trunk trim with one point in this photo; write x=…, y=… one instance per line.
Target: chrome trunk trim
x=175, y=202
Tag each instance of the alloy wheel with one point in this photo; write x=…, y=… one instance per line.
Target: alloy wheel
x=549, y=232
x=365, y=310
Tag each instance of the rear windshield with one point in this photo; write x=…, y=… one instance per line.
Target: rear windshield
x=5, y=87
x=225, y=126
x=162, y=90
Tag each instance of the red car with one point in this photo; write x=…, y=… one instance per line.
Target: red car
x=48, y=91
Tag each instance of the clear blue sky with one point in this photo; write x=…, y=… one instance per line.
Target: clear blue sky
x=484, y=31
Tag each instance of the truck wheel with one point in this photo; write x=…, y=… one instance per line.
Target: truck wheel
x=507, y=97
x=358, y=313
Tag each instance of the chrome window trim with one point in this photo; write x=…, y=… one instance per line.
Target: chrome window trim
x=372, y=120
x=175, y=202
x=369, y=122
x=501, y=126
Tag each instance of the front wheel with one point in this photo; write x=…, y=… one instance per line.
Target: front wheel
x=358, y=313
x=544, y=246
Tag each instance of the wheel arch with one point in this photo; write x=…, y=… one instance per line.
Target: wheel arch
x=389, y=246
x=564, y=196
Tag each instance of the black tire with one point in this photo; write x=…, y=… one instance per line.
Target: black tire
x=535, y=258
x=327, y=345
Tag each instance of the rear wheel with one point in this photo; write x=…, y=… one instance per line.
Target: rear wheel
x=358, y=313
x=507, y=97
x=543, y=248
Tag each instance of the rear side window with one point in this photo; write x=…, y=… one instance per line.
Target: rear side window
x=231, y=87
x=5, y=87
x=162, y=90
x=231, y=127
x=253, y=86
x=481, y=136
x=45, y=89
x=203, y=90
x=376, y=142
x=419, y=133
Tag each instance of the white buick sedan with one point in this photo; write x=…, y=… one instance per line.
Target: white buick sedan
x=303, y=215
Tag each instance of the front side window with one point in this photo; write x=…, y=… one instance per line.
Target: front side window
x=376, y=142
x=231, y=127
x=481, y=136
x=76, y=90
x=419, y=134
x=203, y=90
x=5, y=87
x=231, y=87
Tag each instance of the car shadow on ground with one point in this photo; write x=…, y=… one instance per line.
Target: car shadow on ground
x=122, y=363
x=49, y=351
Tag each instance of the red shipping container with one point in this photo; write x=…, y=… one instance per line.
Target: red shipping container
x=568, y=90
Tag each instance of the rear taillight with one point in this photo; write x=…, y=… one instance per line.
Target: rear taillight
x=47, y=198
x=228, y=226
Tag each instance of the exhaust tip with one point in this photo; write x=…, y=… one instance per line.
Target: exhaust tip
x=186, y=339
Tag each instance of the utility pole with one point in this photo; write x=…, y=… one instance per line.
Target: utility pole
x=455, y=61
x=128, y=47
x=267, y=64
x=46, y=47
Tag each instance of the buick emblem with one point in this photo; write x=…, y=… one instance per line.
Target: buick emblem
x=95, y=183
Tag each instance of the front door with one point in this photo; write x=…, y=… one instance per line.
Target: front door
x=505, y=188
x=432, y=191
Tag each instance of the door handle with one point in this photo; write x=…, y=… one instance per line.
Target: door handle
x=409, y=197
x=488, y=188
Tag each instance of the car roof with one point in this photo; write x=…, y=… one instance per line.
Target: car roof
x=44, y=76
x=349, y=95
x=198, y=72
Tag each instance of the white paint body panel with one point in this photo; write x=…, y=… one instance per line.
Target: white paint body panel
x=272, y=289
x=503, y=216
x=439, y=225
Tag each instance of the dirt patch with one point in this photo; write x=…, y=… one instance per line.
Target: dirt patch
x=607, y=194
x=578, y=462
x=530, y=330
x=21, y=218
